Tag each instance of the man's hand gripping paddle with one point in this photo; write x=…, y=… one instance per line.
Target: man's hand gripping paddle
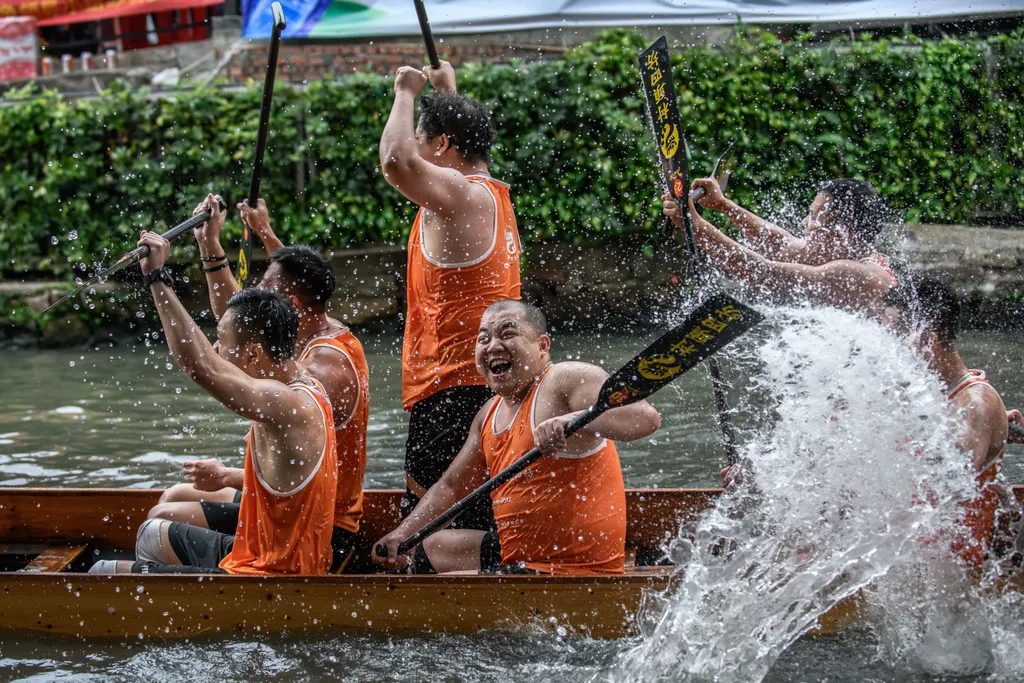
x=245, y=252
x=715, y=323
x=656, y=76
x=428, y=36
x=137, y=254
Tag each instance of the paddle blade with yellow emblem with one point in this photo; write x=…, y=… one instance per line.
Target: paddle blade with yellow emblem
x=714, y=324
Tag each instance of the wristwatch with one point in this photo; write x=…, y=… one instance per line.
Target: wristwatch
x=162, y=274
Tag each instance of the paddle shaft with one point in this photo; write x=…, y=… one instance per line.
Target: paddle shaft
x=245, y=253
x=136, y=255
x=428, y=36
x=673, y=152
x=577, y=423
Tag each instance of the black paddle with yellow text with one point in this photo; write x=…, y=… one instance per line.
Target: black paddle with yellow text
x=137, y=254
x=656, y=75
x=715, y=323
x=245, y=252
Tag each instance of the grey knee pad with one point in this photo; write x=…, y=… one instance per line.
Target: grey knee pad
x=148, y=547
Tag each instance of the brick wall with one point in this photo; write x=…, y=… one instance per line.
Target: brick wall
x=312, y=61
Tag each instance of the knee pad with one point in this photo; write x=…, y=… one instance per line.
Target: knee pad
x=148, y=547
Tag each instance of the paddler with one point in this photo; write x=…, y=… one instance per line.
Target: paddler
x=326, y=349
x=291, y=477
x=463, y=256
x=834, y=264
x=566, y=513
x=933, y=310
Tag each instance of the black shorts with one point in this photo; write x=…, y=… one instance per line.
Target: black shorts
x=438, y=428
x=200, y=551
x=343, y=543
x=222, y=517
x=490, y=558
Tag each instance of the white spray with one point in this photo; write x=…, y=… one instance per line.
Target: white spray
x=850, y=466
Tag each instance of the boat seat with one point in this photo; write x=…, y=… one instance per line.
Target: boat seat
x=54, y=558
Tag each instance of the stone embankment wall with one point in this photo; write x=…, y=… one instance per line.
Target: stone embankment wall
x=579, y=287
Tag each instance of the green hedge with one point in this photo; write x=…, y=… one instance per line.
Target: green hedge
x=938, y=127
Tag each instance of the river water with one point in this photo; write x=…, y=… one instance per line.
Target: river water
x=127, y=417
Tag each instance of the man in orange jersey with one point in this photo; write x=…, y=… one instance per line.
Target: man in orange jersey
x=835, y=263
x=566, y=513
x=328, y=351
x=463, y=256
x=291, y=476
x=934, y=311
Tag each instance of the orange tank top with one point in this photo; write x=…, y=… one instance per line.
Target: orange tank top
x=350, y=435
x=446, y=302
x=287, y=533
x=566, y=513
x=882, y=261
x=980, y=512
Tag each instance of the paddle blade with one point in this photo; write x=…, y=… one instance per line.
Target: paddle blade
x=715, y=323
x=723, y=167
x=278, y=12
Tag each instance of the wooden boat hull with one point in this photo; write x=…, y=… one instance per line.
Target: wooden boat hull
x=42, y=591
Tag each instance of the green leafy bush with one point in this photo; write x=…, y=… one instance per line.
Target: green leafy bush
x=938, y=127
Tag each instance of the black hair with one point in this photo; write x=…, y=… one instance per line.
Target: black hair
x=535, y=317
x=928, y=305
x=269, y=319
x=466, y=123
x=310, y=276
x=857, y=205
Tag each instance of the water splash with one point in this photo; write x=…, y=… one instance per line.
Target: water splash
x=850, y=465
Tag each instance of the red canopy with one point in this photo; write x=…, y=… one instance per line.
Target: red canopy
x=51, y=12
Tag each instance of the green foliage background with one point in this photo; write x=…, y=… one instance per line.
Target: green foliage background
x=938, y=127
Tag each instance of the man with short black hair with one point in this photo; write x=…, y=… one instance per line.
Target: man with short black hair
x=931, y=310
x=290, y=476
x=835, y=263
x=566, y=513
x=463, y=256
x=328, y=350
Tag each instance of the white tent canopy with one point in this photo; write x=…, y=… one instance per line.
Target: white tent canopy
x=379, y=18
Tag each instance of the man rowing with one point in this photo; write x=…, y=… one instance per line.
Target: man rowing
x=935, y=312
x=835, y=263
x=566, y=513
x=290, y=478
x=463, y=256
x=326, y=348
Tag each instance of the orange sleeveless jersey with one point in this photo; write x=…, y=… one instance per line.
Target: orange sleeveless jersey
x=287, y=533
x=882, y=261
x=564, y=514
x=446, y=302
x=979, y=513
x=350, y=436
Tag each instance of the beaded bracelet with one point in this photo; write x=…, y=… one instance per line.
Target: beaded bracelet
x=213, y=259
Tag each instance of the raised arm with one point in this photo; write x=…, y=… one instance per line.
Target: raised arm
x=467, y=472
x=443, y=191
x=843, y=282
x=266, y=401
x=763, y=236
x=258, y=220
x=575, y=388
x=219, y=280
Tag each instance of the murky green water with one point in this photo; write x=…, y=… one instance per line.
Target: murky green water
x=128, y=417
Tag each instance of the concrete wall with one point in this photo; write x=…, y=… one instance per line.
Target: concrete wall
x=615, y=285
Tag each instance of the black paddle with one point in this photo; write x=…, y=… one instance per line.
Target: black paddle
x=428, y=36
x=245, y=253
x=715, y=323
x=656, y=75
x=137, y=254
